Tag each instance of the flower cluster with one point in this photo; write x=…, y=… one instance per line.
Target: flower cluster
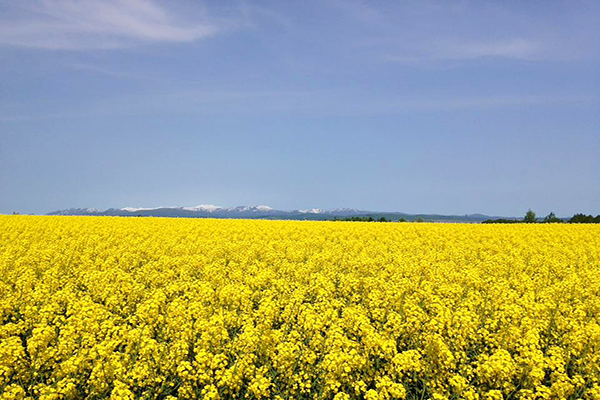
x=126, y=308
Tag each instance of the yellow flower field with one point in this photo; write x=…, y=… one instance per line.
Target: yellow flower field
x=97, y=307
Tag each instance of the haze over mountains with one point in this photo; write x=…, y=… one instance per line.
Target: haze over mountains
x=264, y=212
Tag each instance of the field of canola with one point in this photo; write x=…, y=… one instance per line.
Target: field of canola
x=99, y=307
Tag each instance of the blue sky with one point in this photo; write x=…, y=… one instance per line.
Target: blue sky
x=416, y=106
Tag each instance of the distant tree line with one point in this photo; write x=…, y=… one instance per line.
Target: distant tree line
x=502, y=221
x=585, y=219
x=530, y=218
x=367, y=219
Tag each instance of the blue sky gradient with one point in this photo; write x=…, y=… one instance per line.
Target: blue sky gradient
x=412, y=106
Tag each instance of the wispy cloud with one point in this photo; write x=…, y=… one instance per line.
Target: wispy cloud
x=419, y=32
x=456, y=50
x=513, y=48
x=96, y=24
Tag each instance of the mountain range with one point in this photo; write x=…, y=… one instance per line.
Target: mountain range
x=265, y=212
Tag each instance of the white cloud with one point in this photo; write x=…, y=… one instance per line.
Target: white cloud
x=456, y=50
x=514, y=48
x=418, y=32
x=95, y=24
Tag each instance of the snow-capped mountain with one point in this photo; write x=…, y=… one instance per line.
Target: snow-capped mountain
x=207, y=210
x=202, y=210
x=260, y=211
x=334, y=211
x=311, y=211
x=203, y=207
x=136, y=209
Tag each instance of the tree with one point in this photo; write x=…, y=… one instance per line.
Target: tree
x=529, y=217
x=552, y=219
x=500, y=221
x=578, y=219
x=584, y=219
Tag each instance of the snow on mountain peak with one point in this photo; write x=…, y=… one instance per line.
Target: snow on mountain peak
x=207, y=208
x=136, y=209
x=204, y=207
x=264, y=208
x=311, y=211
x=252, y=208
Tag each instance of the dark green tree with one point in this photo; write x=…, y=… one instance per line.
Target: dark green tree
x=552, y=219
x=529, y=217
x=584, y=219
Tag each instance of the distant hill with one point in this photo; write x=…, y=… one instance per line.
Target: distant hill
x=266, y=212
